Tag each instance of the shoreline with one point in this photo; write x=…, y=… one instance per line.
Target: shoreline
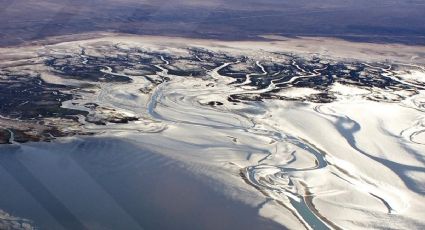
x=328, y=47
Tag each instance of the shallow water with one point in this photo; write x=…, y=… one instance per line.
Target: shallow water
x=108, y=183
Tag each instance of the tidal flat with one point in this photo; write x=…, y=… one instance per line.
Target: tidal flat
x=161, y=132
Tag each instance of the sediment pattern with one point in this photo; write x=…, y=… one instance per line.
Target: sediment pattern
x=338, y=143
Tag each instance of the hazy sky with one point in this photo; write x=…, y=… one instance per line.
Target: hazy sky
x=399, y=21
